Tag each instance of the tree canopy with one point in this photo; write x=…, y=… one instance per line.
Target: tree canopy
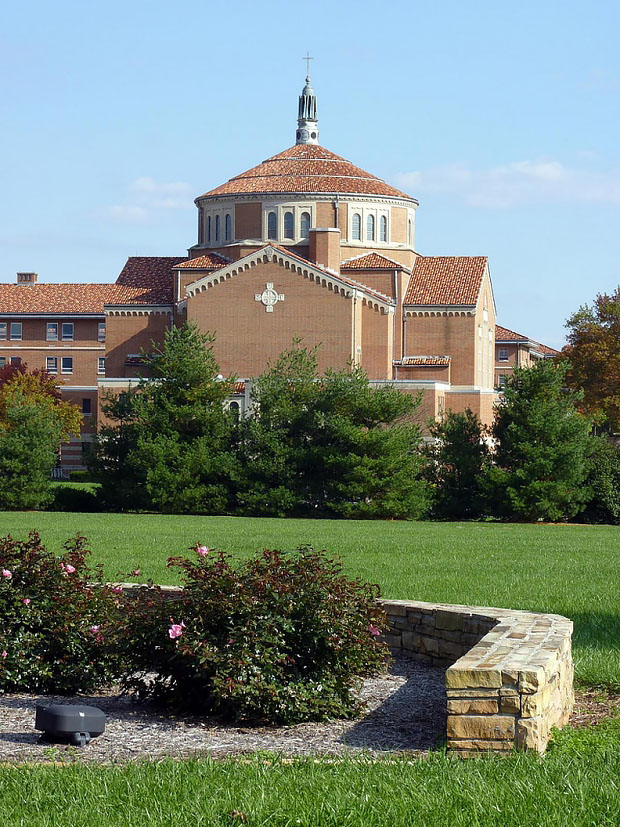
x=593, y=351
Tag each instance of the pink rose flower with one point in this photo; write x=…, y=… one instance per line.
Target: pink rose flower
x=6, y=573
x=117, y=589
x=202, y=550
x=5, y=654
x=134, y=573
x=176, y=630
x=373, y=630
x=94, y=630
x=26, y=601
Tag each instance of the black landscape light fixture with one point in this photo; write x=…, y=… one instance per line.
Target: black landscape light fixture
x=69, y=723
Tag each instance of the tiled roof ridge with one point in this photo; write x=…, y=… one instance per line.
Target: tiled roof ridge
x=519, y=337
x=348, y=261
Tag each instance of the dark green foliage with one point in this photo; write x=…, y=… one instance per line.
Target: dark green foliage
x=80, y=476
x=280, y=639
x=328, y=445
x=603, y=482
x=542, y=443
x=55, y=619
x=169, y=448
x=68, y=498
x=457, y=462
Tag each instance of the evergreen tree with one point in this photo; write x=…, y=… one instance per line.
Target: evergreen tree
x=457, y=462
x=169, y=448
x=541, y=457
x=329, y=445
x=603, y=482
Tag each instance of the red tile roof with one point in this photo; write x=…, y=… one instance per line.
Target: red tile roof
x=446, y=280
x=306, y=168
x=372, y=261
x=423, y=361
x=503, y=334
x=147, y=280
x=54, y=298
x=210, y=261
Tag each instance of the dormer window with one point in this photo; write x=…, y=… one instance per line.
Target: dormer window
x=305, y=225
x=289, y=225
x=383, y=228
x=272, y=226
x=356, y=227
x=370, y=228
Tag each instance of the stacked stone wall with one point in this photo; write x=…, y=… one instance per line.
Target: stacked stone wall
x=510, y=673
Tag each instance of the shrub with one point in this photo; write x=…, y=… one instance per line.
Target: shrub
x=68, y=498
x=280, y=639
x=603, y=482
x=55, y=619
x=80, y=476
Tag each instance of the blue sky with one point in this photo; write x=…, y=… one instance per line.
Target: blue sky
x=502, y=119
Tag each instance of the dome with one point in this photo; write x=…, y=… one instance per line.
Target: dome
x=307, y=168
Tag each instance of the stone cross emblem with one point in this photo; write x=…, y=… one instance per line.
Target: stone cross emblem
x=269, y=297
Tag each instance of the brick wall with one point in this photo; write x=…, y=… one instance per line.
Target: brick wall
x=130, y=334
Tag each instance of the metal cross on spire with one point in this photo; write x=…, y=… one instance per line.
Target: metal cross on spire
x=307, y=58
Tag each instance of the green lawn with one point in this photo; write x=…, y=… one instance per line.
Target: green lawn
x=574, y=785
x=570, y=570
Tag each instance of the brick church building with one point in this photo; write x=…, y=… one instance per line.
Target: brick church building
x=303, y=245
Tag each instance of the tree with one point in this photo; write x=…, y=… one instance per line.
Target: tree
x=169, y=448
x=541, y=454
x=457, y=462
x=328, y=445
x=593, y=350
x=34, y=421
x=603, y=482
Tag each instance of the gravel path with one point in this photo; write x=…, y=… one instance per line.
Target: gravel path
x=405, y=712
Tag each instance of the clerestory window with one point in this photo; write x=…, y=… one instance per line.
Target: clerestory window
x=356, y=227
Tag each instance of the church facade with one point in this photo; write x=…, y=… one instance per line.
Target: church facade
x=304, y=245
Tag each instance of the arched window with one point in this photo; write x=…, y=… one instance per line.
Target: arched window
x=383, y=228
x=227, y=227
x=370, y=228
x=272, y=226
x=289, y=225
x=410, y=233
x=217, y=228
x=356, y=227
x=209, y=230
x=234, y=408
x=305, y=224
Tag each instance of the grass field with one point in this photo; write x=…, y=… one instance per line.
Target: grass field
x=574, y=785
x=572, y=570
x=569, y=570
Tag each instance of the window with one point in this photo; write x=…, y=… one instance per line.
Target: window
x=305, y=225
x=502, y=354
x=51, y=364
x=3, y=330
x=272, y=226
x=66, y=364
x=16, y=330
x=16, y=361
x=67, y=331
x=209, y=229
x=356, y=227
x=370, y=228
x=51, y=332
x=501, y=381
x=227, y=227
x=289, y=225
x=2, y=361
x=217, y=228
x=234, y=409
x=86, y=407
x=383, y=228
x=86, y=446
x=410, y=233
x=101, y=365
x=101, y=332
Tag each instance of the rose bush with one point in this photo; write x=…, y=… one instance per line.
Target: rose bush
x=281, y=638
x=56, y=618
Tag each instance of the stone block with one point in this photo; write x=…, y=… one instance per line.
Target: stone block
x=531, y=680
x=491, y=727
x=536, y=704
x=476, y=748
x=482, y=706
x=532, y=734
x=452, y=648
x=448, y=620
x=411, y=641
x=510, y=704
x=484, y=692
x=429, y=645
x=464, y=678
